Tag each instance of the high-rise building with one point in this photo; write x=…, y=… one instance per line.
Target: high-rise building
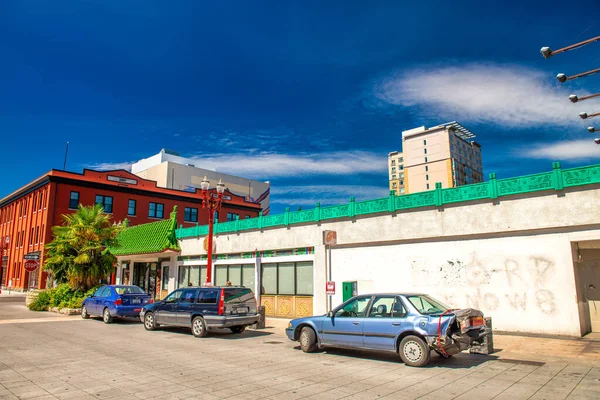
x=396, y=171
x=172, y=171
x=445, y=153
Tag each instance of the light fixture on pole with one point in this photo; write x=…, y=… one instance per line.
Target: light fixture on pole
x=211, y=203
x=574, y=98
x=597, y=140
x=547, y=52
x=584, y=115
x=591, y=129
x=562, y=78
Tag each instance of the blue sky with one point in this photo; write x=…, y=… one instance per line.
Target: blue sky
x=308, y=95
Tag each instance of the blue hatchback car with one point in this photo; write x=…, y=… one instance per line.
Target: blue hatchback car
x=115, y=301
x=409, y=324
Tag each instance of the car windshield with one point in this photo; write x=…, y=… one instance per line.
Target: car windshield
x=128, y=290
x=426, y=305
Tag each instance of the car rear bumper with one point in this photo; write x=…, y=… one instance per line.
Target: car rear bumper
x=229, y=321
x=126, y=311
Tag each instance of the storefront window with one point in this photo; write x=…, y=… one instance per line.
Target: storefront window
x=286, y=278
x=269, y=279
x=191, y=275
x=221, y=275
x=235, y=275
x=248, y=276
x=304, y=278
x=125, y=274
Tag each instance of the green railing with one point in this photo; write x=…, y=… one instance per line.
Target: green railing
x=557, y=179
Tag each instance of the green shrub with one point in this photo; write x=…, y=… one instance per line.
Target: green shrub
x=41, y=302
x=61, y=295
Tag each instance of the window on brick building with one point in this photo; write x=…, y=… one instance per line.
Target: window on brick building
x=106, y=202
x=231, y=216
x=74, y=200
x=156, y=210
x=131, y=207
x=190, y=214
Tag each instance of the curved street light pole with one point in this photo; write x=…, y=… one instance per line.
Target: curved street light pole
x=562, y=78
x=574, y=98
x=212, y=204
x=547, y=52
x=584, y=115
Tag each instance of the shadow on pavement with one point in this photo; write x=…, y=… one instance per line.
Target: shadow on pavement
x=461, y=360
x=217, y=333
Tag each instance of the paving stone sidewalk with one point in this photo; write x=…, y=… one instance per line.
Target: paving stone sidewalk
x=86, y=359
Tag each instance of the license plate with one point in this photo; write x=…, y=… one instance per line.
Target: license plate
x=136, y=301
x=241, y=310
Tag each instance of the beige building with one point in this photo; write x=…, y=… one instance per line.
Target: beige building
x=170, y=170
x=445, y=153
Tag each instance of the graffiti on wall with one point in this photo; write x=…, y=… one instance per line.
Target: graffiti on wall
x=519, y=284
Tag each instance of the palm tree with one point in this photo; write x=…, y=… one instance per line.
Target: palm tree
x=77, y=254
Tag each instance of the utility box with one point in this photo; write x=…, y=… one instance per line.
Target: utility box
x=349, y=289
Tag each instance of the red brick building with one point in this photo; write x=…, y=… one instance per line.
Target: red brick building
x=28, y=214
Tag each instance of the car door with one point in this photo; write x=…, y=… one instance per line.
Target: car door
x=345, y=327
x=167, y=312
x=92, y=303
x=386, y=319
x=106, y=298
x=185, y=306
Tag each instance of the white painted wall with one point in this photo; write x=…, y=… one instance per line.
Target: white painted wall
x=512, y=258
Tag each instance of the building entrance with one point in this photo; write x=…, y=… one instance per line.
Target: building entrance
x=145, y=276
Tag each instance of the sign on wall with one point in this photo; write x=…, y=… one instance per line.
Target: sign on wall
x=329, y=238
x=34, y=255
x=330, y=287
x=31, y=265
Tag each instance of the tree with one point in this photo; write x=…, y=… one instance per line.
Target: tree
x=77, y=254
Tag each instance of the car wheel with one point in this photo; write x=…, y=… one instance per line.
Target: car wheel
x=106, y=317
x=414, y=351
x=308, y=340
x=84, y=312
x=199, y=327
x=149, y=321
x=238, y=329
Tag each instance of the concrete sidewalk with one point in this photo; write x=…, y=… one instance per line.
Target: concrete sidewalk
x=524, y=348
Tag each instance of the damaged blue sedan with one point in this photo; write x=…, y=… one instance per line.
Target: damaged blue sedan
x=409, y=324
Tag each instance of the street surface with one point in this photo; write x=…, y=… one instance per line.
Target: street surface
x=48, y=356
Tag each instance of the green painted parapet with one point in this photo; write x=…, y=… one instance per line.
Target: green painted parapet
x=557, y=179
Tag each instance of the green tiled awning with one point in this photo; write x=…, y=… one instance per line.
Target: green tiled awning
x=153, y=237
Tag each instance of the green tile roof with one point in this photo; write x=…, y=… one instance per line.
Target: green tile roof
x=154, y=237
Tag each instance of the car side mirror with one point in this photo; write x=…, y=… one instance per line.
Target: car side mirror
x=330, y=314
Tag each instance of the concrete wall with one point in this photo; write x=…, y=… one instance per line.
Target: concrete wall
x=512, y=258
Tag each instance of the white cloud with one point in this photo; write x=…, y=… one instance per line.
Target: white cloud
x=584, y=149
x=272, y=165
x=325, y=194
x=110, y=166
x=510, y=95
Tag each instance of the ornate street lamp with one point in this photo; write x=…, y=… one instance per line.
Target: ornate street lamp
x=4, y=246
x=211, y=203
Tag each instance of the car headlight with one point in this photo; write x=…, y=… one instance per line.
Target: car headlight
x=290, y=325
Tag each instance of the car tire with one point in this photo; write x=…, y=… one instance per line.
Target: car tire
x=238, y=329
x=150, y=321
x=84, y=312
x=199, y=327
x=308, y=340
x=106, y=317
x=414, y=351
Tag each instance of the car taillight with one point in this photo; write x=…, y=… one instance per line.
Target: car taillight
x=477, y=321
x=222, y=302
x=151, y=301
x=119, y=302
